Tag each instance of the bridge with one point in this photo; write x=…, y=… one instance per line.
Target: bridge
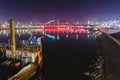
x=64, y=26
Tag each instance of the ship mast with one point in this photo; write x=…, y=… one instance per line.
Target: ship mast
x=13, y=41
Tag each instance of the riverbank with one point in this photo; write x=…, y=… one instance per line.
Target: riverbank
x=111, y=57
x=96, y=68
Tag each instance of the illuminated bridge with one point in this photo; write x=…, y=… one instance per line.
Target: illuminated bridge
x=56, y=23
x=63, y=26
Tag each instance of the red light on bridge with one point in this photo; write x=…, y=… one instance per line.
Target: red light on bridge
x=80, y=30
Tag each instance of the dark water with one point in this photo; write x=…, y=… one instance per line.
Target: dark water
x=68, y=55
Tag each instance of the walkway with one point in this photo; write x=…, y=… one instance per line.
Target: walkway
x=112, y=57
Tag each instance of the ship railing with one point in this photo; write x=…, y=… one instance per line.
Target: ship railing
x=31, y=47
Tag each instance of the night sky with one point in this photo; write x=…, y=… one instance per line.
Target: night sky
x=71, y=10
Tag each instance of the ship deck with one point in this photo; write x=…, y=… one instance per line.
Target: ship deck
x=25, y=73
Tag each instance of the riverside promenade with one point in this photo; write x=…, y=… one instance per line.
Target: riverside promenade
x=112, y=56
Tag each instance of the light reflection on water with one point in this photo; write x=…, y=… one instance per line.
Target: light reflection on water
x=6, y=33
x=69, y=56
x=79, y=39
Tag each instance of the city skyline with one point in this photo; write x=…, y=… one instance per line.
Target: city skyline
x=72, y=10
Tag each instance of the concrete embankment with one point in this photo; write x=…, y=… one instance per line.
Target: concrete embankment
x=96, y=68
x=111, y=57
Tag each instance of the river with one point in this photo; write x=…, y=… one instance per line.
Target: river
x=66, y=55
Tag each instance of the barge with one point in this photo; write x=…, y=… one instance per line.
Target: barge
x=26, y=55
